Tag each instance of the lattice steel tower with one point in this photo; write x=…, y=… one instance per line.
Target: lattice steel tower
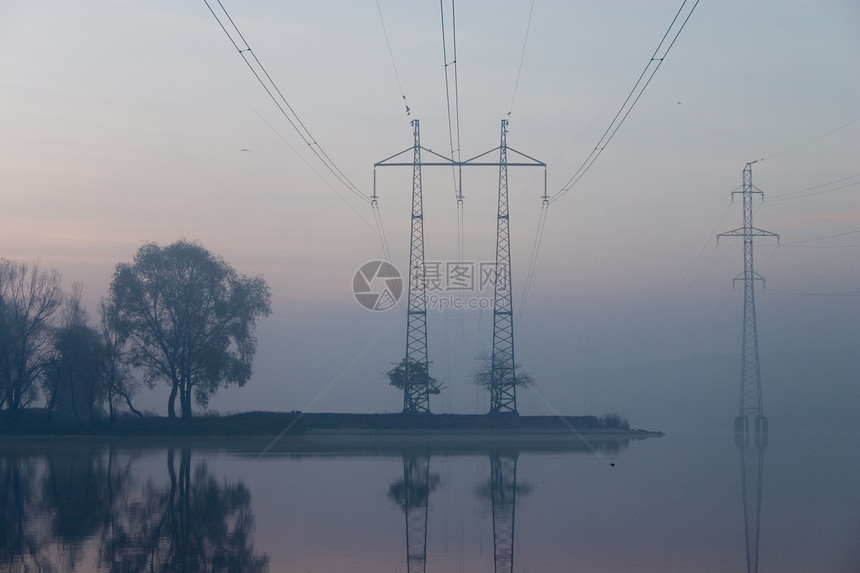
x=750, y=398
x=503, y=377
x=503, y=387
x=416, y=395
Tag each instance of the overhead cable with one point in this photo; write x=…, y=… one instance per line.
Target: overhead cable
x=639, y=87
x=453, y=120
x=379, y=231
x=813, y=140
x=815, y=190
x=522, y=58
x=393, y=65
x=237, y=39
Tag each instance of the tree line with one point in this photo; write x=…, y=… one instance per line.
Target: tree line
x=176, y=315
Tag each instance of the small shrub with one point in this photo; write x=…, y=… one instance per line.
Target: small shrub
x=614, y=420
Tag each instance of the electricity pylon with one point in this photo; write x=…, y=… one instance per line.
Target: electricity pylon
x=416, y=390
x=752, y=475
x=503, y=383
x=750, y=397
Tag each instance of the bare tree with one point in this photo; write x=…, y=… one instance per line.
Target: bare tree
x=29, y=298
x=483, y=375
x=121, y=384
x=190, y=319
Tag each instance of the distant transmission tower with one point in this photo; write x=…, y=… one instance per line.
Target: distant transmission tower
x=503, y=384
x=751, y=400
x=416, y=390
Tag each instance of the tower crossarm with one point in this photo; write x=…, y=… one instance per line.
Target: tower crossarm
x=753, y=231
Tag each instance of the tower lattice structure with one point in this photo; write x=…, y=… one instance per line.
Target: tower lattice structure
x=416, y=395
x=503, y=386
x=750, y=395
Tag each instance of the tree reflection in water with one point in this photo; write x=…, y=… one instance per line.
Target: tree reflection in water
x=193, y=525
x=21, y=544
x=64, y=505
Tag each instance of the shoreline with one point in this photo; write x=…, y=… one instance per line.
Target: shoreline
x=350, y=442
x=319, y=426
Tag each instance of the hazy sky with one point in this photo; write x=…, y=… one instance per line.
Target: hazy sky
x=123, y=122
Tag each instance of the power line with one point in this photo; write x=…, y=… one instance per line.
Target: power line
x=453, y=122
x=607, y=136
x=453, y=119
x=534, y=256
x=545, y=206
x=696, y=264
x=823, y=238
x=378, y=230
x=289, y=113
x=633, y=97
x=522, y=58
x=813, y=140
x=823, y=246
x=796, y=293
x=541, y=221
x=391, y=55
x=238, y=40
x=797, y=194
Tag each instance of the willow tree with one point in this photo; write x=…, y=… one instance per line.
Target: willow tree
x=189, y=318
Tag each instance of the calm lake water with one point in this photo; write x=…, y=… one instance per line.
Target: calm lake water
x=674, y=503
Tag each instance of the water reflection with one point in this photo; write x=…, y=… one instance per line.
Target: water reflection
x=71, y=505
x=502, y=490
x=193, y=524
x=412, y=494
x=55, y=503
x=18, y=506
